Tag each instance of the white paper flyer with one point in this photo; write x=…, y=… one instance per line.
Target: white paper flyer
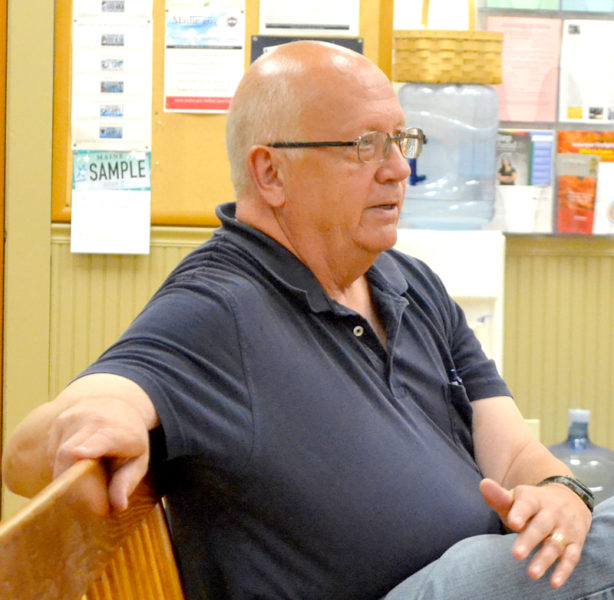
x=204, y=55
x=586, y=92
x=111, y=201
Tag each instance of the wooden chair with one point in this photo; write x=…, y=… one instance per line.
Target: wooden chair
x=66, y=544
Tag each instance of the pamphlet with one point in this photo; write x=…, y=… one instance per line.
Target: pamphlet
x=576, y=192
x=513, y=157
x=523, y=197
x=601, y=145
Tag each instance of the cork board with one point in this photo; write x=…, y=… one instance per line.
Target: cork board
x=190, y=171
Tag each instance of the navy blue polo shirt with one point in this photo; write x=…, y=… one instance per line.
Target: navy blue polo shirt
x=301, y=458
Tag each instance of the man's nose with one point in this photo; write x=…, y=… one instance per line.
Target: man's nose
x=398, y=162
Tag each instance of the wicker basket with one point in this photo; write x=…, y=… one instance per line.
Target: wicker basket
x=437, y=56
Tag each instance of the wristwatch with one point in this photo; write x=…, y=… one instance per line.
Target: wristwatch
x=574, y=485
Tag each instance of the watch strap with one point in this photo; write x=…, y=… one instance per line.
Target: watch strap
x=575, y=485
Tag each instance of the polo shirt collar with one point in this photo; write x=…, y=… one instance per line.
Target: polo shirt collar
x=294, y=275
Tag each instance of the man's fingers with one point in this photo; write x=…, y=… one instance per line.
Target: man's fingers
x=527, y=514
x=111, y=444
x=497, y=497
x=124, y=481
x=567, y=563
x=70, y=451
x=536, y=526
x=551, y=551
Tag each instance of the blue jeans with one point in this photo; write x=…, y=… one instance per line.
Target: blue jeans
x=483, y=568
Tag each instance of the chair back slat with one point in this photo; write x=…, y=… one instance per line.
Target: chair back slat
x=66, y=544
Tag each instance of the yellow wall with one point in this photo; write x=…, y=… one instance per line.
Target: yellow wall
x=559, y=330
x=95, y=297
x=28, y=193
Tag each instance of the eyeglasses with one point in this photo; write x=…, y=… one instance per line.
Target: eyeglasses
x=373, y=146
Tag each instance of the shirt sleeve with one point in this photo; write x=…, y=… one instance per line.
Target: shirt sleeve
x=478, y=373
x=184, y=350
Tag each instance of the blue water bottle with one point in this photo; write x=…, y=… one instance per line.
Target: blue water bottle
x=452, y=185
x=590, y=463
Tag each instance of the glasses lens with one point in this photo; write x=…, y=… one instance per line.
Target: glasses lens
x=371, y=146
x=411, y=142
x=374, y=146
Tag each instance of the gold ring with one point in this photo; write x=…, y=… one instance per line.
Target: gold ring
x=558, y=537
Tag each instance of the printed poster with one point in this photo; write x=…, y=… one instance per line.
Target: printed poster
x=204, y=54
x=586, y=86
x=313, y=18
x=111, y=77
x=530, y=64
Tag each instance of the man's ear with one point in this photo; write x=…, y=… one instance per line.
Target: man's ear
x=264, y=168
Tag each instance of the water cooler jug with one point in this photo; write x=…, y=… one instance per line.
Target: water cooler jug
x=590, y=463
x=452, y=185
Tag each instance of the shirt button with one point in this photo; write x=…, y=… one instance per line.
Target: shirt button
x=358, y=330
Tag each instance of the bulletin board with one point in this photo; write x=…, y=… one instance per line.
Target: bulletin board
x=190, y=174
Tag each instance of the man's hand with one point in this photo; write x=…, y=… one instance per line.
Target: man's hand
x=97, y=416
x=552, y=515
x=113, y=429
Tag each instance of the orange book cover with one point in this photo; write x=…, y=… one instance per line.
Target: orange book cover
x=576, y=192
x=599, y=144
x=576, y=204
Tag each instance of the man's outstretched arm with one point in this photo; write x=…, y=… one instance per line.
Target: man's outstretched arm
x=99, y=415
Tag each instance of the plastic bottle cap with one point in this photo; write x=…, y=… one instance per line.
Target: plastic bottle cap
x=579, y=415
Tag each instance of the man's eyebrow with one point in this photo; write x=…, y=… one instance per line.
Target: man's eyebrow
x=395, y=129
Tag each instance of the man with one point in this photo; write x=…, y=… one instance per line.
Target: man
x=319, y=413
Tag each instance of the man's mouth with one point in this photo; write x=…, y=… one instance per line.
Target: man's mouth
x=390, y=206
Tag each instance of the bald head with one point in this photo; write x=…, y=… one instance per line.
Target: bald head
x=284, y=92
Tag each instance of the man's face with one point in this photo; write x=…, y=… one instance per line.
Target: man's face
x=332, y=197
